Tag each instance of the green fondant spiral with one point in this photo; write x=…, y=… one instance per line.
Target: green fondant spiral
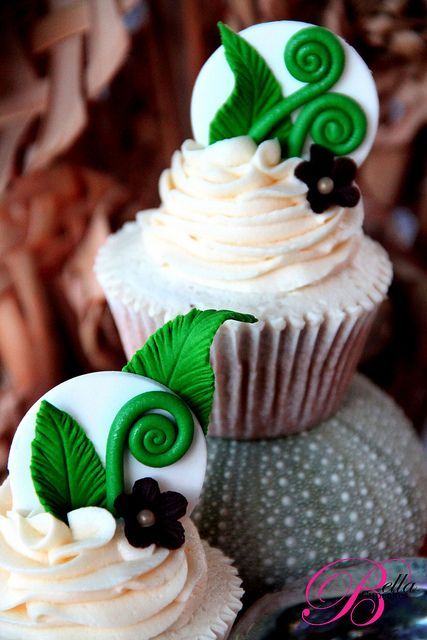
x=316, y=56
x=335, y=121
x=153, y=439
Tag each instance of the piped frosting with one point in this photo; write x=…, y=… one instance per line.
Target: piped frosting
x=234, y=215
x=85, y=580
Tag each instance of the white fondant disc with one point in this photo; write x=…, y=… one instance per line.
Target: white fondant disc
x=216, y=81
x=94, y=400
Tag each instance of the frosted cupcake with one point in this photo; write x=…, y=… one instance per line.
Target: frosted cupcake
x=95, y=538
x=263, y=221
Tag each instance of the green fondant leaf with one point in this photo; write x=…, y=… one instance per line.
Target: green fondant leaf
x=256, y=90
x=177, y=355
x=66, y=470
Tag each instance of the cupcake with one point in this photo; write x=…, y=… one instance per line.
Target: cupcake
x=261, y=214
x=104, y=471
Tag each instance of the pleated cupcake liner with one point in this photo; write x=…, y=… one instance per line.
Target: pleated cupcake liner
x=272, y=379
x=215, y=615
x=281, y=375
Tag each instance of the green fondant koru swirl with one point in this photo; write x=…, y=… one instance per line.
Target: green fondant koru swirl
x=154, y=439
x=315, y=56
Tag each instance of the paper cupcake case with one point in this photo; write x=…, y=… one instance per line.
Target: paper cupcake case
x=215, y=617
x=275, y=381
x=281, y=375
x=272, y=379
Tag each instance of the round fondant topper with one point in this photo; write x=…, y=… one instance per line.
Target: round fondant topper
x=104, y=406
x=115, y=439
x=287, y=80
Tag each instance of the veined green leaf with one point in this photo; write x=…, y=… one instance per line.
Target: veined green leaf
x=66, y=470
x=177, y=355
x=256, y=90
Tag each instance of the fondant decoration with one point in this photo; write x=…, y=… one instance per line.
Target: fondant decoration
x=154, y=439
x=152, y=517
x=126, y=421
x=288, y=80
x=255, y=98
x=94, y=400
x=177, y=355
x=284, y=508
x=329, y=179
x=66, y=470
x=257, y=107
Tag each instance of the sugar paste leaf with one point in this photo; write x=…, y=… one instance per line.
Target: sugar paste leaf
x=66, y=470
x=177, y=355
x=256, y=91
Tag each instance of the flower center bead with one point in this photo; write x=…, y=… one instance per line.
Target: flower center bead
x=325, y=185
x=146, y=518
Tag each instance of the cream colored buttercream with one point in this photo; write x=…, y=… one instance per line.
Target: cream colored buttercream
x=234, y=215
x=86, y=581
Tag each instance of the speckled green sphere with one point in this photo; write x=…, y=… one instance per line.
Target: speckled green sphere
x=355, y=486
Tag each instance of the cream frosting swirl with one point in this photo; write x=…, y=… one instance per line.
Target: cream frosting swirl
x=234, y=215
x=85, y=580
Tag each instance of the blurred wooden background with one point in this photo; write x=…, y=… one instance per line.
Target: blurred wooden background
x=94, y=98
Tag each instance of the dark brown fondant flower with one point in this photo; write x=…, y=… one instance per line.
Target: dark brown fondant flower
x=329, y=179
x=152, y=517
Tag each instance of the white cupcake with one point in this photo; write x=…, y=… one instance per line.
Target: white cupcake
x=235, y=230
x=105, y=469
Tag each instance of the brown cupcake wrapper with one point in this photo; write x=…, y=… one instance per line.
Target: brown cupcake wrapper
x=272, y=378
